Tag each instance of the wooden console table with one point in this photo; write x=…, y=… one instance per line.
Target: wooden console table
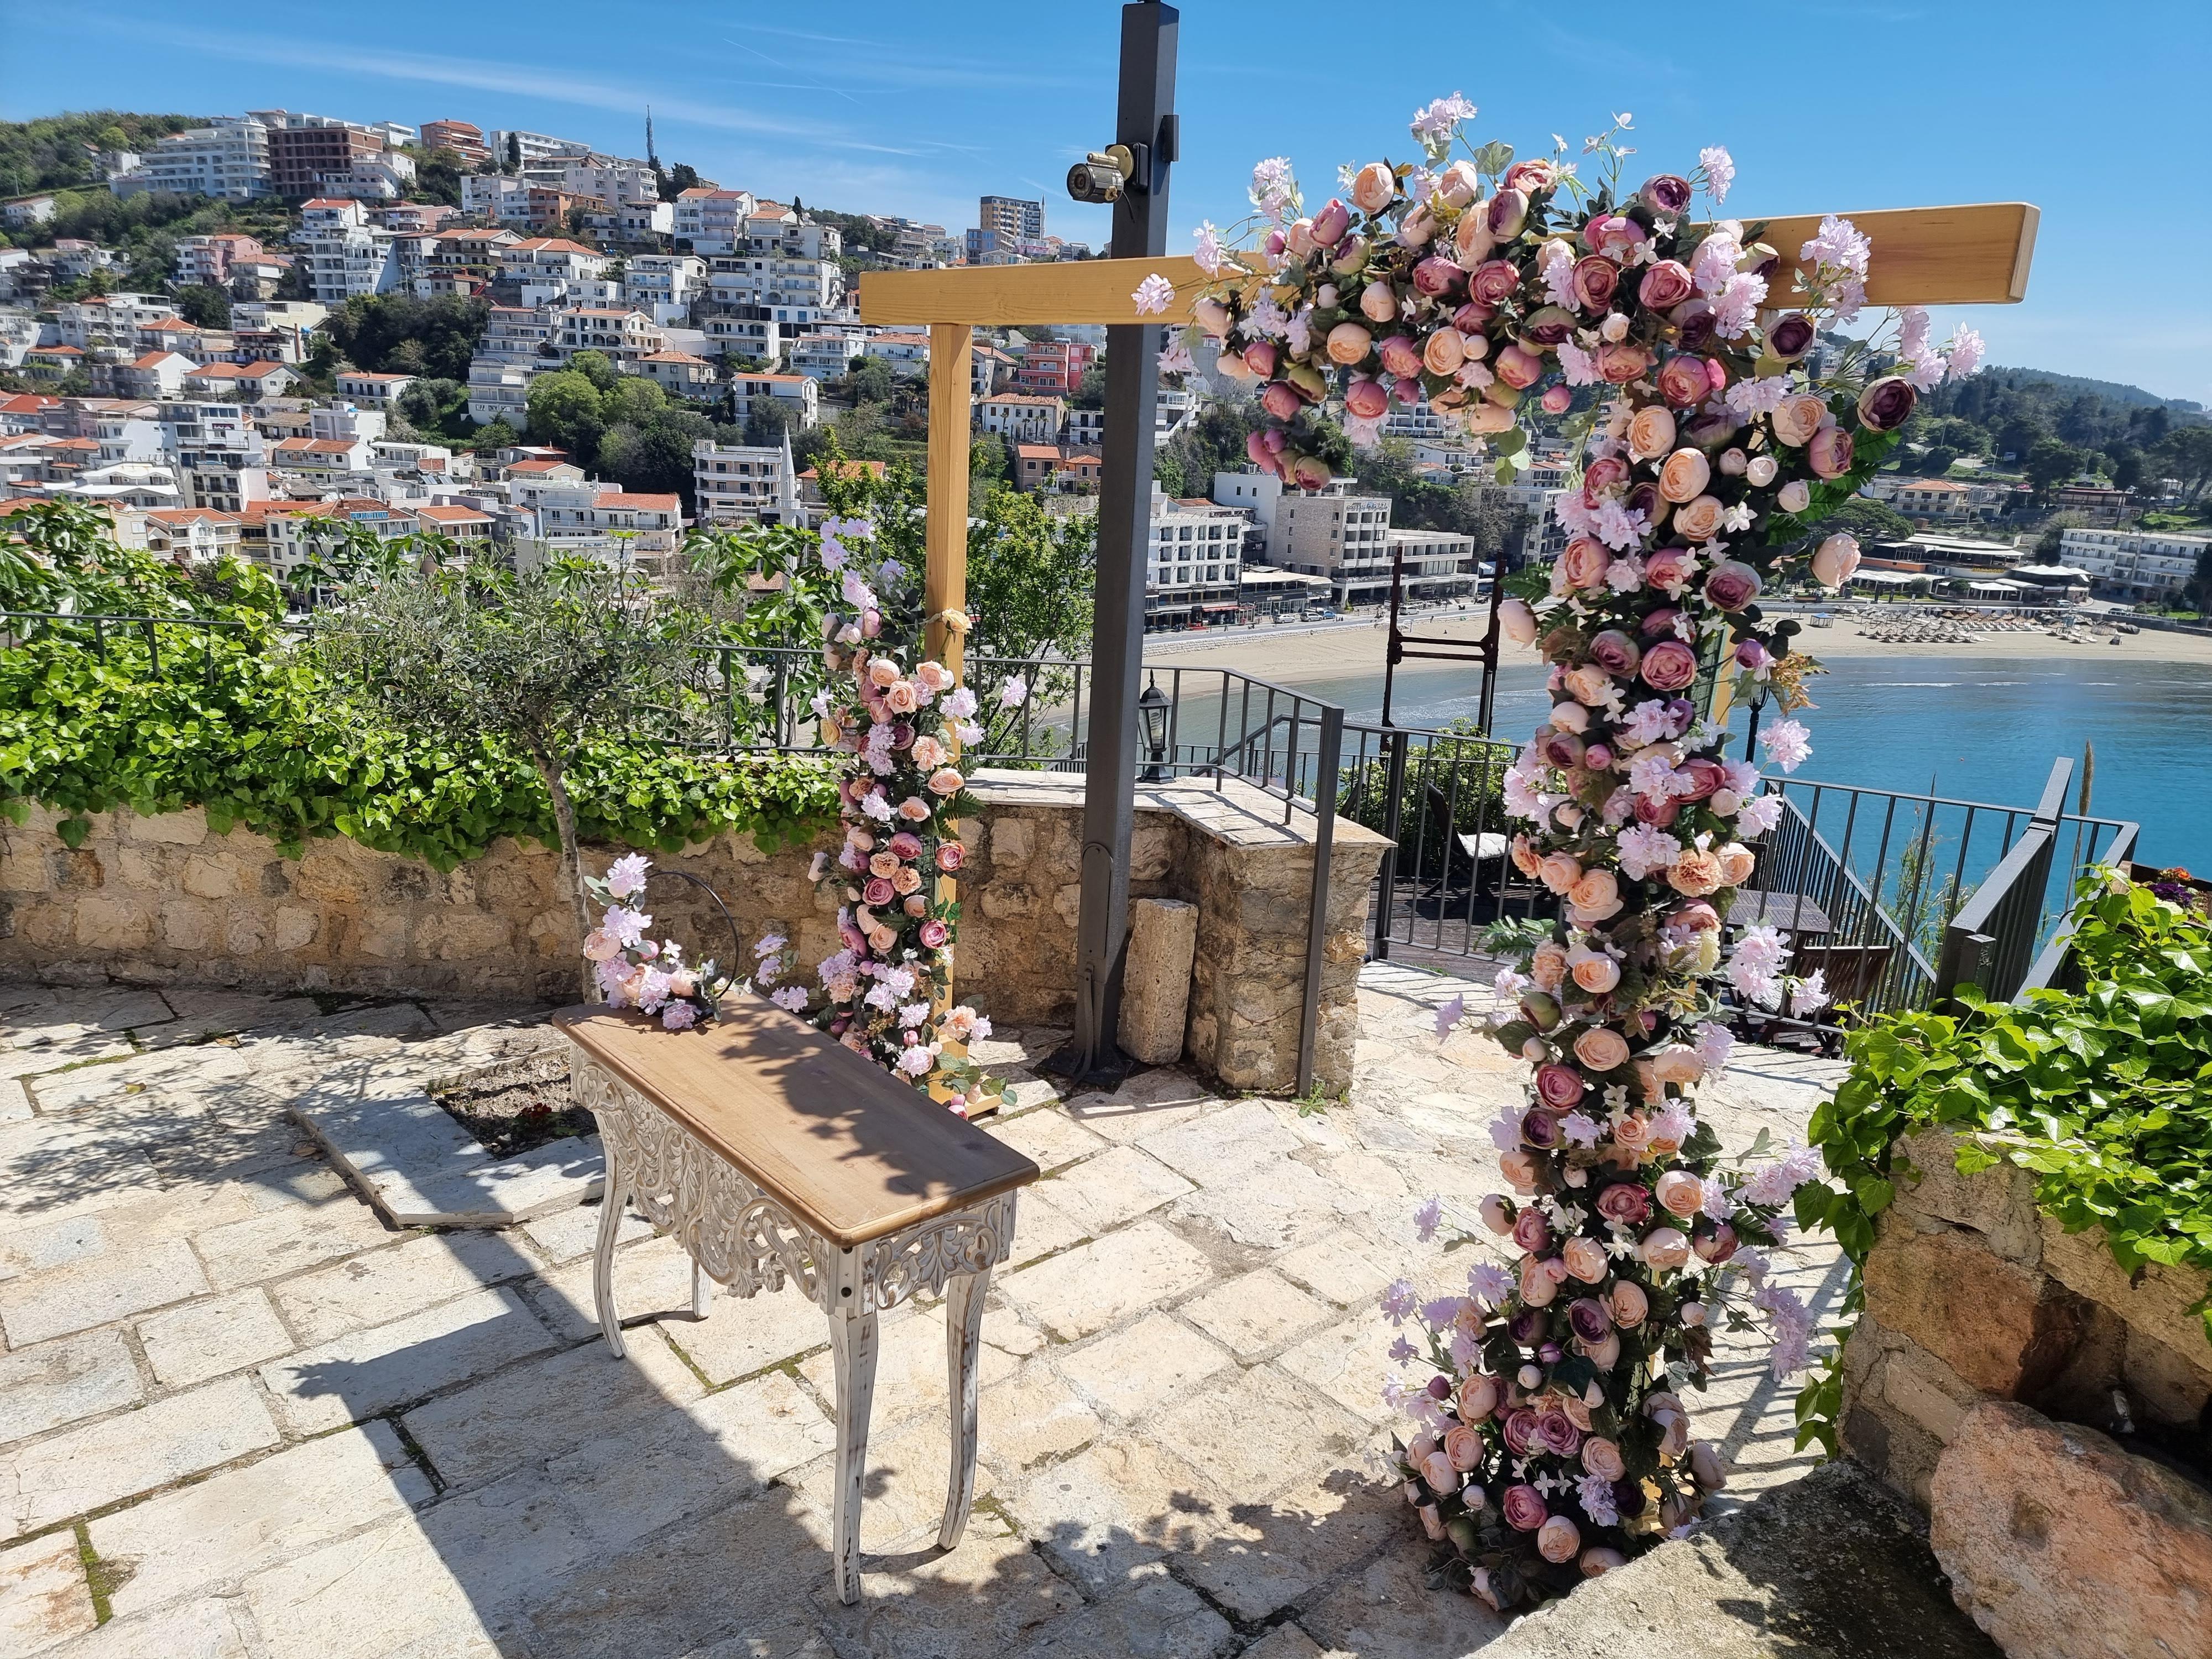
x=772, y=1153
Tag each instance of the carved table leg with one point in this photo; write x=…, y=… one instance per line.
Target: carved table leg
x=612, y=1202
x=702, y=1292
x=853, y=1345
x=963, y=1341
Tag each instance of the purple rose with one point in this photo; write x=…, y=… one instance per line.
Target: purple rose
x=1508, y=212
x=1693, y=319
x=1669, y=665
x=1829, y=454
x=1590, y=1319
x=1732, y=585
x=1525, y=1327
x=1645, y=498
x=1557, y=1433
x=1615, y=653
x=1549, y=325
x=1626, y=1202
x=1713, y=430
x=1561, y=1086
x=1520, y=1429
x=1540, y=1129
x=1715, y=1244
x=1666, y=192
x=1885, y=405
x=1524, y=1508
x=1791, y=336
x=1563, y=750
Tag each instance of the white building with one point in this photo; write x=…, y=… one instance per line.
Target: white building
x=664, y=285
x=1335, y=534
x=745, y=331
x=713, y=221
x=606, y=523
x=906, y=353
x=511, y=144
x=345, y=255
x=1195, y=555
x=1436, y=564
x=795, y=392
x=824, y=356
x=736, y=482
x=227, y=158
x=2134, y=564
x=218, y=454
x=551, y=260
x=781, y=263
x=1023, y=417
x=626, y=337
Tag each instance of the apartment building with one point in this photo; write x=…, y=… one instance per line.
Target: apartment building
x=510, y=146
x=746, y=332
x=605, y=522
x=228, y=159
x=311, y=155
x=1054, y=367
x=626, y=337
x=1337, y=535
x=218, y=454
x=209, y=259
x=1018, y=417
x=1436, y=564
x=1044, y=468
x=794, y=392
x=26, y=211
x=1011, y=217
x=463, y=262
x=156, y=374
x=192, y=535
x=551, y=260
x=738, y=483
x=713, y=221
x=824, y=356
x=378, y=391
x=679, y=373
x=664, y=285
x=906, y=353
x=1194, y=558
x=464, y=138
x=345, y=254
x=2133, y=564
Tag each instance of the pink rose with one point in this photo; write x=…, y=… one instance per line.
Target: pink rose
x=1620, y=362
x=1436, y=277
x=1683, y=382
x=1669, y=665
x=1705, y=776
x=1279, y=400
x=934, y=933
x=1556, y=1431
x=1532, y=175
x=1368, y=400
x=1524, y=1508
x=1506, y=214
x=1556, y=399
x=1559, y=1087
x=1666, y=284
x=878, y=891
x=1330, y=224
x=1715, y=1244
x=1493, y=283
x=951, y=855
x=1260, y=357
x=1614, y=652
x=1595, y=280
x=1835, y=560
x=1584, y=561
x=1531, y=1231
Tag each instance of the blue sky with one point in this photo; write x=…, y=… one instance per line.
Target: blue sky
x=2096, y=114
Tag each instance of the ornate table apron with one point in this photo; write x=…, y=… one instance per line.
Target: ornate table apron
x=738, y=1235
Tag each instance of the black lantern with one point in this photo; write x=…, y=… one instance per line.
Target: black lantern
x=1152, y=710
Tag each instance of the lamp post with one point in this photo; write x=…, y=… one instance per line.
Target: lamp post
x=1152, y=710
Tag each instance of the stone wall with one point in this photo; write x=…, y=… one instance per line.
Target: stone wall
x=1994, y=1348
x=164, y=900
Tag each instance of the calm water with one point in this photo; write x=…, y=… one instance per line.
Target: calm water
x=1982, y=729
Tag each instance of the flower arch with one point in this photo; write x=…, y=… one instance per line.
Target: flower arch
x=1552, y=1438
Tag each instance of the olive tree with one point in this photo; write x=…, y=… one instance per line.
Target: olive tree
x=547, y=659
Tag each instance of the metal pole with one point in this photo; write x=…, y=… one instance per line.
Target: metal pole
x=1145, y=117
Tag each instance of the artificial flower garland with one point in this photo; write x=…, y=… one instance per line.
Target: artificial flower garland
x=1552, y=1440
x=887, y=988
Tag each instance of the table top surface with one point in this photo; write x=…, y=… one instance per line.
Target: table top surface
x=848, y=1149
x=1793, y=912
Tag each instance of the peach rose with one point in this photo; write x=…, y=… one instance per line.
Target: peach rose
x=882, y=673
x=1560, y=871
x=1584, y=562
x=1378, y=302
x=1373, y=187
x=1664, y=1249
x=1602, y=1049
x=929, y=753
x=885, y=865
x=1526, y=859
x=1478, y=1398
x=1588, y=684
x=945, y=781
x=1602, y=1457
x=1349, y=343
x=907, y=879
x=1538, y=1287
x=1681, y=1193
x=1685, y=476
x=1519, y=1169
x=1695, y=874
x=1598, y=890
x=1557, y=1540
x=1463, y=1446
x=1737, y=862
x=1627, y=1304
x=902, y=697
x=1586, y=1260
x=914, y=810
x=935, y=675
x=1652, y=432
x=1432, y=1520
x=1547, y=967
x=1796, y=419
x=1443, y=352
x=1699, y=519
x=1632, y=1134
x=1593, y=971
x=1678, y=1064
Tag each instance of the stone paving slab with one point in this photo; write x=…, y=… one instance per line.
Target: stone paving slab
x=332, y=1435
x=44, y=1596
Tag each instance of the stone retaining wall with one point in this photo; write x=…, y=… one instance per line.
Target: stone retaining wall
x=1985, y=1320
x=164, y=900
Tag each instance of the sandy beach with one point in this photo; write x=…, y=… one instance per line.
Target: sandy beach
x=1300, y=652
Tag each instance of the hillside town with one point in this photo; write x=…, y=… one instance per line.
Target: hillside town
x=719, y=328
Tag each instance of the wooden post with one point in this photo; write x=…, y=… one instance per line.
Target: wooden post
x=944, y=581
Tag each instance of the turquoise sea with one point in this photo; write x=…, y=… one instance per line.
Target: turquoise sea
x=1979, y=729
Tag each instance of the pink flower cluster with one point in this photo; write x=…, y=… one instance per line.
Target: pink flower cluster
x=633, y=971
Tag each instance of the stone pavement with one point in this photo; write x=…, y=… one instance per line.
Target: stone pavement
x=240, y=1416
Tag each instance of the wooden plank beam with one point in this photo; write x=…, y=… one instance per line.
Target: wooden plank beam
x=945, y=575
x=1977, y=254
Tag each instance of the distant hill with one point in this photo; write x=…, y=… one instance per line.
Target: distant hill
x=56, y=151
x=2111, y=391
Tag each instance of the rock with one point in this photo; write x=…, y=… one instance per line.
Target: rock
x=1829, y=1567
x=1156, y=982
x=2063, y=1546
x=185, y=828
x=1998, y=1203
x=2154, y=1299
x=2004, y=1329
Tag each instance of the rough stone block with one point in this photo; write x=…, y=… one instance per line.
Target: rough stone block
x=105, y=922
x=185, y=828
x=211, y=1336
x=1131, y=1371
x=2155, y=1299
x=1095, y=1284
x=1254, y=1314
x=186, y=926
x=1998, y=1203
x=211, y=877
x=101, y=1288
x=2063, y=1545
x=1112, y=1188
x=2002, y=1328
x=1156, y=982
x=60, y=1382
x=44, y=1596
x=1261, y=1433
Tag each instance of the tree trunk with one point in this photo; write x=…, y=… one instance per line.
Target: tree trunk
x=572, y=866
